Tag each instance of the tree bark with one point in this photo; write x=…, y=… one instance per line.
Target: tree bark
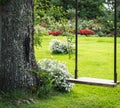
x=0, y=35
x=17, y=51
x=0, y=38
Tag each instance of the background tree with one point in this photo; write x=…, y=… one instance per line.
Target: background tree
x=89, y=9
x=17, y=52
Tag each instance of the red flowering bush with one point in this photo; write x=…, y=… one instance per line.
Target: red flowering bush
x=86, y=32
x=55, y=33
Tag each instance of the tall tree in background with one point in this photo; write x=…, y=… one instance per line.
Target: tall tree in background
x=89, y=9
x=16, y=45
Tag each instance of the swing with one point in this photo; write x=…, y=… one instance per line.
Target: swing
x=95, y=81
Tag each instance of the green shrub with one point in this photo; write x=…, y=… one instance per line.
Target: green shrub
x=44, y=9
x=37, y=40
x=45, y=84
x=40, y=31
x=85, y=24
x=106, y=24
x=71, y=13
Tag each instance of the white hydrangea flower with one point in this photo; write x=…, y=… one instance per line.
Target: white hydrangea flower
x=57, y=46
x=59, y=73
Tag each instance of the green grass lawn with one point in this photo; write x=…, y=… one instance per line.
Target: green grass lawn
x=95, y=60
x=95, y=57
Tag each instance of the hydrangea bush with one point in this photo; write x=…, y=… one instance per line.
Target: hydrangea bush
x=59, y=74
x=57, y=46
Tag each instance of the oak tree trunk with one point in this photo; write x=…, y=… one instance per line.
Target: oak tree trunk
x=0, y=36
x=17, y=52
x=0, y=43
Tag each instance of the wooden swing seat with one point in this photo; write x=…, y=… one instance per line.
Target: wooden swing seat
x=93, y=81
